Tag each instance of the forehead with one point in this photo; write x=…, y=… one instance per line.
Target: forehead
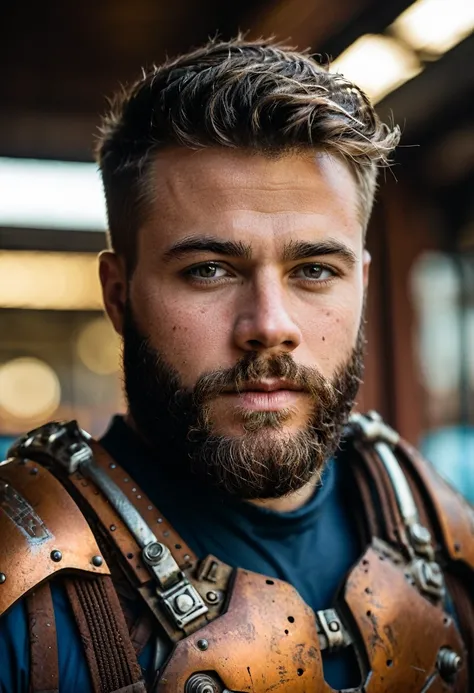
x=240, y=195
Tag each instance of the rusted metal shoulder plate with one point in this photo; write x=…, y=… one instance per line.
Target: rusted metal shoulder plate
x=455, y=515
x=42, y=531
x=402, y=631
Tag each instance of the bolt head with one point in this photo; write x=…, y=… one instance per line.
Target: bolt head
x=449, y=662
x=97, y=561
x=420, y=534
x=202, y=644
x=184, y=603
x=153, y=552
x=56, y=555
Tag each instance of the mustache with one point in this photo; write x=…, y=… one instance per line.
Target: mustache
x=253, y=367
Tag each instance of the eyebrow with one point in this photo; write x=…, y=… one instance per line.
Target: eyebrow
x=299, y=250
x=292, y=251
x=196, y=244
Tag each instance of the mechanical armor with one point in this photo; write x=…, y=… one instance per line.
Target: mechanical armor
x=67, y=507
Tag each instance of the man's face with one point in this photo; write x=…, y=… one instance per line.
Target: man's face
x=255, y=261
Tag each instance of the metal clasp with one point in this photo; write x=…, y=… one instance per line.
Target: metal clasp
x=331, y=632
x=63, y=442
x=179, y=596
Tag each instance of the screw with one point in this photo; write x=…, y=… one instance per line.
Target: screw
x=3, y=577
x=448, y=663
x=56, y=555
x=202, y=644
x=97, y=561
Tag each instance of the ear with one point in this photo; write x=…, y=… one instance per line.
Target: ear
x=366, y=260
x=113, y=279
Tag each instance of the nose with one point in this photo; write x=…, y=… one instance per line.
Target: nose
x=264, y=323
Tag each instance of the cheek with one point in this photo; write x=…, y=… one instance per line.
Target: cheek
x=190, y=337
x=331, y=335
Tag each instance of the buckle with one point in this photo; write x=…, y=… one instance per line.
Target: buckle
x=183, y=602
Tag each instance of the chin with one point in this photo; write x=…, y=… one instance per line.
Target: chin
x=262, y=424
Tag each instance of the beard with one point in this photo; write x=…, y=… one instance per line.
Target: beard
x=265, y=461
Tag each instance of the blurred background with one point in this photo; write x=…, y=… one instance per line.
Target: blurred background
x=59, y=358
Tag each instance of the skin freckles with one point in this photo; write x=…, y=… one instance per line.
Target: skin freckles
x=203, y=309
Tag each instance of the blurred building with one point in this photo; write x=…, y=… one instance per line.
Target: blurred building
x=59, y=358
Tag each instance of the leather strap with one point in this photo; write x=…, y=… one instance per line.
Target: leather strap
x=44, y=668
x=393, y=529
x=107, y=645
x=115, y=530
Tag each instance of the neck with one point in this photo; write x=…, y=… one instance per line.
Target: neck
x=290, y=502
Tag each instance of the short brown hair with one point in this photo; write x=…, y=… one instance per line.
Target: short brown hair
x=258, y=96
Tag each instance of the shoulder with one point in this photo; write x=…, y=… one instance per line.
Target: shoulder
x=42, y=530
x=452, y=513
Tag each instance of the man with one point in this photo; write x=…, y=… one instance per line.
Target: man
x=277, y=548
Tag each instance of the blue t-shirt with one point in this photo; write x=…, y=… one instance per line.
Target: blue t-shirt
x=313, y=548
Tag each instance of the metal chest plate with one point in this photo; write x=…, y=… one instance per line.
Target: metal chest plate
x=268, y=638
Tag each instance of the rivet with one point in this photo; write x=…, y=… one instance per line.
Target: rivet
x=34, y=470
x=184, y=603
x=160, y=520
x=134, y=489
x=149, y=507
x=97, y=561
x=112, y=466
x=139, y=496
x=202, y=644
x=3, y=577
x=334, y=626
x=113, y=528
x=126, y=479
x=56, y=555
x=212, y=596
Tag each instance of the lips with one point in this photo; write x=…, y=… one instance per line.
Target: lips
x=270, y=385
x=267, y=395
